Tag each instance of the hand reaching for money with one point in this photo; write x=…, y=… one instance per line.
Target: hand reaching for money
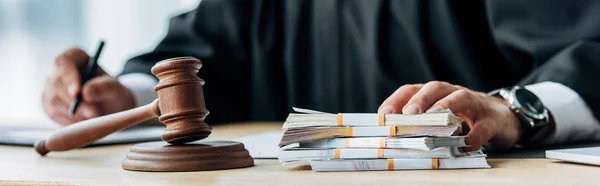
x=489, y=118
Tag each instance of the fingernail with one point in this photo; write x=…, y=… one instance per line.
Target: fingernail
x=435, y=108
x=412, y=109
x=386, y=110
x=73, y=90
x=87, y=113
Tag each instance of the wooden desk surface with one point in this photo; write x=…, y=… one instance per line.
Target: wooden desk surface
x=102, y=166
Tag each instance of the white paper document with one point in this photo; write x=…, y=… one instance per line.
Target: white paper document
x=263, y=145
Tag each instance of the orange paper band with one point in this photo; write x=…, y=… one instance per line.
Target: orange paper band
x=349, y=131
x=392, y=131
x=381, y=120
x=347, y=142
x=336, y=154
x=435, y=163
x=379, y=153
x=390, y=164
x=382, y=143
x=340, y=120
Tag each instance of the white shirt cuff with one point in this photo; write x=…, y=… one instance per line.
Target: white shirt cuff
x=574, y=119
x=141, y=86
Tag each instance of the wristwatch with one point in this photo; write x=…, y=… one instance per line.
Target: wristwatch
x=528, y=108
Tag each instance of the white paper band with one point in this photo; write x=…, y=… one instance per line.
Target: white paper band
x=374, y=131
x=354, y=119
x=365, y=142
x=354, y=153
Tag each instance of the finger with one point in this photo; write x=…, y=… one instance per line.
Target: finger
x=461, y=102
x=58, y=109
x=52, y=100
x=101, y=88
x=63, y=120
x=58, y=113
x=88, y=111
x=398, y=99
x=82, y=59
x=85, y=111
x=427, y=96
x=62, y=100
x=478, y=136
x=59, y=90
x=69, y=65
x=459, y=87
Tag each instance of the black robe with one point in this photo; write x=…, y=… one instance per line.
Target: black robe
x=261, y=57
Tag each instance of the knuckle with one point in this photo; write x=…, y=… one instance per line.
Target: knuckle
x=410, y=87
x=70, y=57
x=52, y=112
x=54, y=100
x=463, y=93
x=466, y=95
x=404, y=86
x=53, y=86
x=92, y=89
x=60, y=60
x=437, y=84
x=92, y=110
x=445, y=103
x=106, y=82
x=53, y=80
x=459, y=87
x=422, y=99
x=95, y=88
x=480, y=94
x=99, y=85
x=74, y=50
x=77, y=54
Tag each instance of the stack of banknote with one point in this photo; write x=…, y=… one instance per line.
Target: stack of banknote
x=360, y=142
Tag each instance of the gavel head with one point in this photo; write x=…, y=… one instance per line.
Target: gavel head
x=181, y=100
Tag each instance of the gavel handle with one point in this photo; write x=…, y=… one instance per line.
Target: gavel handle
x=86, y=132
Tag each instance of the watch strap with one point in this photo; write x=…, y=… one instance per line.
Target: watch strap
x=530, y=134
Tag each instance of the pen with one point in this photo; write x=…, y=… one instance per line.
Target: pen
x=89, y=74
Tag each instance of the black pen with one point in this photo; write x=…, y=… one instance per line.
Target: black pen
x=89, y=74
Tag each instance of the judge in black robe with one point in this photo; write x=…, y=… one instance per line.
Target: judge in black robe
x=262, y=57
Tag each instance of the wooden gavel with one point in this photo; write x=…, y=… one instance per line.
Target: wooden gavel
x=180, y=106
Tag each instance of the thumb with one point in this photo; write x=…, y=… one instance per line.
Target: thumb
x=478, y=136
x=101, y=88
x=87, y=111
x=74, y=87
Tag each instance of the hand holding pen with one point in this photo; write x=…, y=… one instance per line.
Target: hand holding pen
x=80, y=85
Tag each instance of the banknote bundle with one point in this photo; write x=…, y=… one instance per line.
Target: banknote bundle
x=371, y=142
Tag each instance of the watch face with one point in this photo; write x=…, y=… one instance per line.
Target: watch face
x=529, y=101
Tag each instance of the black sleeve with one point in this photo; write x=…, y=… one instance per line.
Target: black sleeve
x=558, y=40
x=577, y=66
x=215, y=33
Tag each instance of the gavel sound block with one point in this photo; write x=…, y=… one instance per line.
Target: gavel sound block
x=180, y=106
